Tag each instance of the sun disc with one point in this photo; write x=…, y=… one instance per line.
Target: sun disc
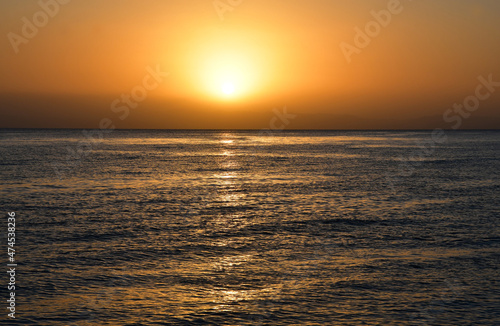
x=228, y=89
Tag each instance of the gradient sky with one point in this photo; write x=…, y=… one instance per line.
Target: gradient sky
x=271, y=54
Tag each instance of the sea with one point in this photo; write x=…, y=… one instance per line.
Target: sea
x=228, y=227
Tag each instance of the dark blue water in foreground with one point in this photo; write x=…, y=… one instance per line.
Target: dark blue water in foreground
x=238, y=228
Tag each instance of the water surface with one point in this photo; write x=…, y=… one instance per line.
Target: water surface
x=237, y=228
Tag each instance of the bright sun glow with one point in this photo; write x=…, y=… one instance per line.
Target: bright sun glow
x=228, y=67
x=228, y=76
x=228, y=89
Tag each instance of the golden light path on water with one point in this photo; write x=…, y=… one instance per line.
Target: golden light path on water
x=225, y=298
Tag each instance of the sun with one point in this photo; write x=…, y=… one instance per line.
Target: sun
x=228, y=89
x=228, y=66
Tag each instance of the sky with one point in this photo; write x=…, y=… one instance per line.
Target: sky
x=232, y=64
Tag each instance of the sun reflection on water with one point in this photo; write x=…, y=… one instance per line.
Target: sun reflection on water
x=229, y=295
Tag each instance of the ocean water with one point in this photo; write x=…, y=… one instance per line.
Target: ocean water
x=246, y=228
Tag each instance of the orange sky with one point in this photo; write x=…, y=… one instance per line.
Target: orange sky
x=229, y=69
